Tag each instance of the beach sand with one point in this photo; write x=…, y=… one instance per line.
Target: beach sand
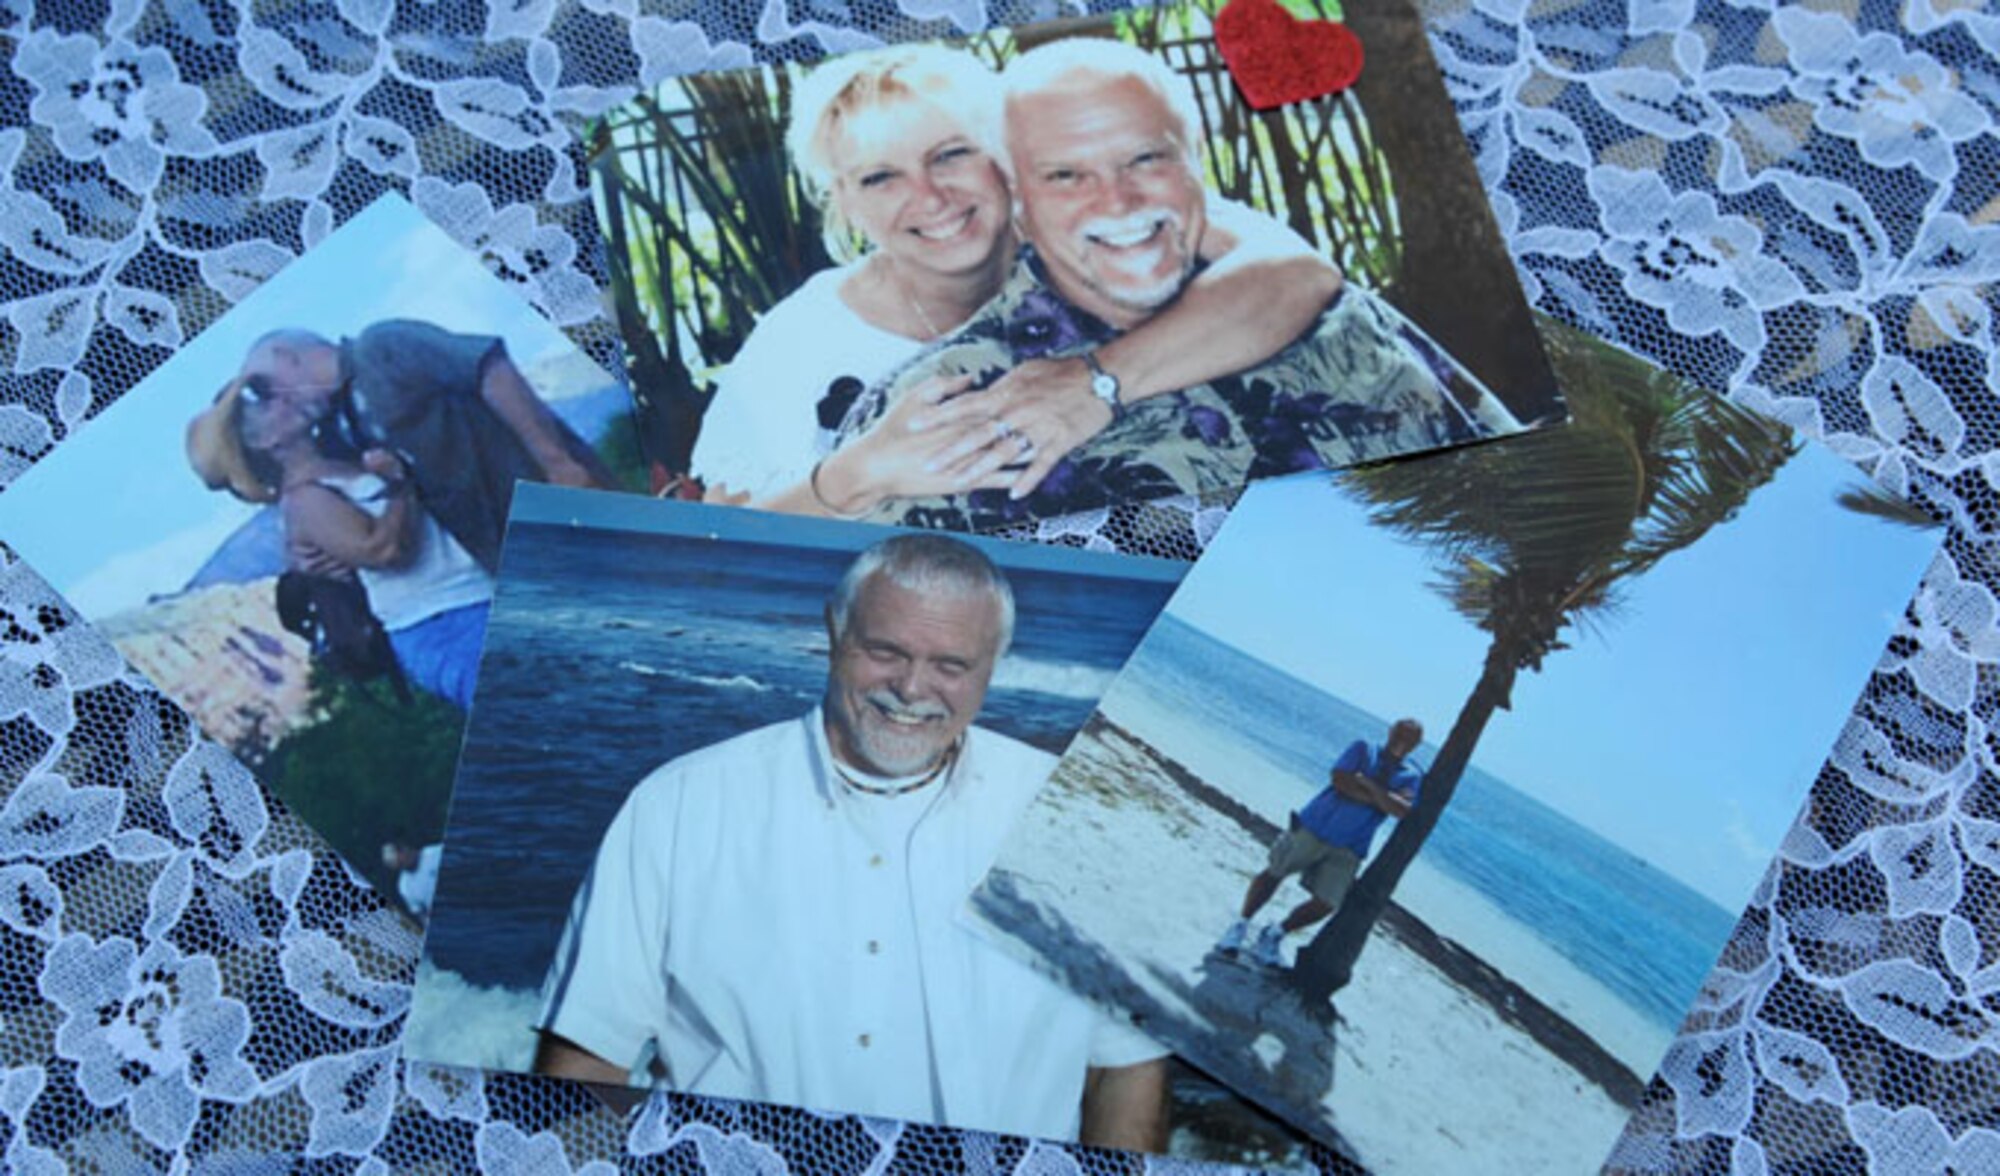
x=1452, y=908
x=1125, y=871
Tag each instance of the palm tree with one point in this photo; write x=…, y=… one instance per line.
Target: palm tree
x=1538, y=533
x=708, y=227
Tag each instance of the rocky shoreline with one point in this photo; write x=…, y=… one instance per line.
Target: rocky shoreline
x=1510, y=1002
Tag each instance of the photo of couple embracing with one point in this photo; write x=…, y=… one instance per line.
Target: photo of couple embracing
x=1043, y=273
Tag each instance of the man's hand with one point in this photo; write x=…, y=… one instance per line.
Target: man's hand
x=558, y=1057
x=719, y=494
x=313, y=560
x=1036, y=413
x=1360, y=789
x=1126, y=1107
x=507, y=392
x=564, y=470
x=564, y=1059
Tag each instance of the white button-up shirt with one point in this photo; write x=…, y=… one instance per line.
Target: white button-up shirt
x=753, y=928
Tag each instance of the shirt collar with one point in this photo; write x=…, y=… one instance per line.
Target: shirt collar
x=1040, y=321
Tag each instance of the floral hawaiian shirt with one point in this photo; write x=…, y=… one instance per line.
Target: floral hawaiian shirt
x=1363, y=384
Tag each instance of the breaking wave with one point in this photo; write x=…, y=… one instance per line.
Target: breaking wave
x=713, y=681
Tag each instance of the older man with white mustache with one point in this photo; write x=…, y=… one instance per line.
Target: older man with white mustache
x=772, y=917
x=1102, y=140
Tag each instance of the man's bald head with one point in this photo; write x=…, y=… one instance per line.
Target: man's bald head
x=295, y=365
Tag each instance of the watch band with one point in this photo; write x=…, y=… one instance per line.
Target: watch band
x=1104, y=385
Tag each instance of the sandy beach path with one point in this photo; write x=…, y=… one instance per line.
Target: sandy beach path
x=1118, y=881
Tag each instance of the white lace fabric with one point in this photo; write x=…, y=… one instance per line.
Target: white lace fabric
x=1799, y=204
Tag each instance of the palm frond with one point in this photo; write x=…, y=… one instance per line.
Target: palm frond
x=1533, y=533
x=1869, y=499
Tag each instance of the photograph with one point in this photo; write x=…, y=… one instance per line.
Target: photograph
x=730, y=780
x=291, y=527
x=1467, y=764
x=1054, y=269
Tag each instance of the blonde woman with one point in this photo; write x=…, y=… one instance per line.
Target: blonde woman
x=901, y=149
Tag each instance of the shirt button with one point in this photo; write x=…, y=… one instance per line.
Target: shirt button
x=875, y=859
x=874, y=947
x=862, y=1040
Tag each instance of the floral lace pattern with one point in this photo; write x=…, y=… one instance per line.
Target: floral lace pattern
x=1797, y=203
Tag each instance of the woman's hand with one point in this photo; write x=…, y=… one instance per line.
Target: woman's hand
x=1036, y=413
x=901, y=456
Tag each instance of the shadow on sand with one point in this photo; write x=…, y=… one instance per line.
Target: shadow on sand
x=1251, y=1033
x=1508, y=1000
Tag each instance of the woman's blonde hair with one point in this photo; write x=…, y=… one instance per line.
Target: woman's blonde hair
x=956, y=82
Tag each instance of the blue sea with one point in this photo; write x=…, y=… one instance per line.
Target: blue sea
x=1268, y=738
x=609, y=653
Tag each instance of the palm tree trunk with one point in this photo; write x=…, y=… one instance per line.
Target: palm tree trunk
x=1327, y=963
x=667, y=419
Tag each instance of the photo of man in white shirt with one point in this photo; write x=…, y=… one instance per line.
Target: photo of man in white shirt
x=772, y=917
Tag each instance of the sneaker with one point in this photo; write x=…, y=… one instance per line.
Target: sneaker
x=1232, y=939
x=1266, y=950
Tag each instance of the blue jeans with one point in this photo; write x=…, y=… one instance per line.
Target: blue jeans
x=441, y=653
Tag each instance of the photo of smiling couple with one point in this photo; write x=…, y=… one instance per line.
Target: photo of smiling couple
x=1025, y=278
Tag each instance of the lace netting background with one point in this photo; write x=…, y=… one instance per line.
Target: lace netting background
x=1795, y=203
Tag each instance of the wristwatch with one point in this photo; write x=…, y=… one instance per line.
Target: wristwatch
x=1103, y=385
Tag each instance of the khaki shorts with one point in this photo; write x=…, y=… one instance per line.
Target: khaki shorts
x=1325, y=870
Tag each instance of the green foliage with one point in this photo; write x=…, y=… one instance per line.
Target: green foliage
x=370, y=771
x=621, y=453
x=1311, y=9
x=1875, y=502
x=708, y=228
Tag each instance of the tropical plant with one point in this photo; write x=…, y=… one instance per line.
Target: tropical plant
x=369, y=771
x=708, y=228
x=1539, y=533
x=1313, y=164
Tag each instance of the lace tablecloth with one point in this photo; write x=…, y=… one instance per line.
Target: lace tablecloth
x=1794, y=203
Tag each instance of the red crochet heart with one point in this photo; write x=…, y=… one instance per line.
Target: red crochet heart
x=1277, y=58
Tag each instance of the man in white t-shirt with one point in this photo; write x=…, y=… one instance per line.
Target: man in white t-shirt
x=772, y=917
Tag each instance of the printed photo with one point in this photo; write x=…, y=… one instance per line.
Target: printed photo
x=1466, y=766
x=806, y=739
x=1054, y=269
x=291, y=527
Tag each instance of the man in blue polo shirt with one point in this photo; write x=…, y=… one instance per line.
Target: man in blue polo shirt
x=1330, y=836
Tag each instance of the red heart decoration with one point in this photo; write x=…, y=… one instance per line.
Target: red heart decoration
x=1277, y=58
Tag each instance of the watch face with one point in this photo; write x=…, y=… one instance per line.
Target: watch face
x=1105, y=385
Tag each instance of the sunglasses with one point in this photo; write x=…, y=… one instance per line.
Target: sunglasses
x=259, y=390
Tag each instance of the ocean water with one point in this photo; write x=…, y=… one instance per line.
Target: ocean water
x=1268, y=738
x=611, y=653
